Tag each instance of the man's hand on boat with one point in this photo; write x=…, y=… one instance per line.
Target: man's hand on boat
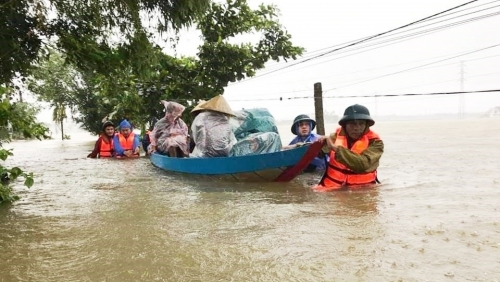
x=328, y=142
x=300, y=144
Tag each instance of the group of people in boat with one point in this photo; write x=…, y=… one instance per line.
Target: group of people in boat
x=350, y=156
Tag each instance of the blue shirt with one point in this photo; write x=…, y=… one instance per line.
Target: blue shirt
x=318, y=162
x=118, y=147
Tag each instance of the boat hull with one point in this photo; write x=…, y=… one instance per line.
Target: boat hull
x=262, y=167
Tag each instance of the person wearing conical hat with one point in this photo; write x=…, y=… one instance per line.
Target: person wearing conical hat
x=216, y=104
x=197, y=109
x=210, y=131
x=355, y=151
x=302, y=127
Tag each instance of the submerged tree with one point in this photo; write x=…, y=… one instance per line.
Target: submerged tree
x=83, y=30
x=55, y=82
x=129, y=77
x=22, y=117
x=136, y=92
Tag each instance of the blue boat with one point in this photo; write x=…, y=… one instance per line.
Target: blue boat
x=280, y=166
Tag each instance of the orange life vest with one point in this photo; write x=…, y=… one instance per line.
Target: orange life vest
x=337, y=175
x=127, y=143
x=106, y=148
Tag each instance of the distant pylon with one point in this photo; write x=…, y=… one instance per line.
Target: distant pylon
x=461, y=103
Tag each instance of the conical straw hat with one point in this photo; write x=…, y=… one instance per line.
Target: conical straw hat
x=216, y=104
x=197, y=108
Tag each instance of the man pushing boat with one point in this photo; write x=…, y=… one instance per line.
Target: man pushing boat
x=354, y=150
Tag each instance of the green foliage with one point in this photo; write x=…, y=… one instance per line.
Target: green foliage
x=20, y=42
x=23, y=119
x=219, y=61
x=55, y=82
x=21, y=115
x=128, y=79
x=7, y=175
x=225, y=62
x=84, y=29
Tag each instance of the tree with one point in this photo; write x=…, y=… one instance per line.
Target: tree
x=55, y=82
x=84, y=29
x=129, y=79
x=136, y=92
x=23, y=119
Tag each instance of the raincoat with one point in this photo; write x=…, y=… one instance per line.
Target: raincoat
x=171, y=130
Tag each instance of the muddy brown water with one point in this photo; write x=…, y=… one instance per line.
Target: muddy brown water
x=436, y=217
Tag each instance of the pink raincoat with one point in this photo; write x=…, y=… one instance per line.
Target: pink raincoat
x=171, y=130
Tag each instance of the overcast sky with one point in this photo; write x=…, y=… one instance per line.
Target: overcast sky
x=432, y=56
x=428, y=57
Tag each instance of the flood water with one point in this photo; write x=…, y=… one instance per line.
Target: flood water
x=436, y=217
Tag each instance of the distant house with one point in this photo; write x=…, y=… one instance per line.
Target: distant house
x=328, y=117
x=494, y=112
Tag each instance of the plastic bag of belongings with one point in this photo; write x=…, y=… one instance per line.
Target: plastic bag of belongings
x=217, y=131
x=256, y=132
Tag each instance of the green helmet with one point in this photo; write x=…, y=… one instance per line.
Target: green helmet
x=300, y=118
x=106, y=124
x=356, y=112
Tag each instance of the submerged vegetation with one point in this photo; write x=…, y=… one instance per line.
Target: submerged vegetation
x=98, y=58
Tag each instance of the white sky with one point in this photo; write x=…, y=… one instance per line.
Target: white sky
x=323, y=24
x=327, y=24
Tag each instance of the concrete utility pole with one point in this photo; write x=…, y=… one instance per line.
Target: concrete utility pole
x=318, y=107
x=461, y=103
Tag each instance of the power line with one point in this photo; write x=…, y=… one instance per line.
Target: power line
x=399, y=39
x=377, y=68
x=434, y=29
x=438, y=82
x=311, y=53
x=470, y=60
x=389, y=42
x=389, y=74
x=364, y=96
x=366, y=39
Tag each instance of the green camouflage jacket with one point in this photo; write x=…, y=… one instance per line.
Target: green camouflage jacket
x=368, y=161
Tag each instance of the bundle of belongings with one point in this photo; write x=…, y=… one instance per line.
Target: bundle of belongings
x=256, y=132
x=217, y=131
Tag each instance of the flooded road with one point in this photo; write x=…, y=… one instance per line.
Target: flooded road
x=435, y=217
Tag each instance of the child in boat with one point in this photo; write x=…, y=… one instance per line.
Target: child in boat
x=170, y=134
x=302, y=127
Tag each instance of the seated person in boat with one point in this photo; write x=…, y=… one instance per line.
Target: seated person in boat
x=210, y=131
x=126, y=143
x=302, y=127
x=255, y=131
x=103, y=147
x=355, y=151
x=170, y=134
x=146, y=140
